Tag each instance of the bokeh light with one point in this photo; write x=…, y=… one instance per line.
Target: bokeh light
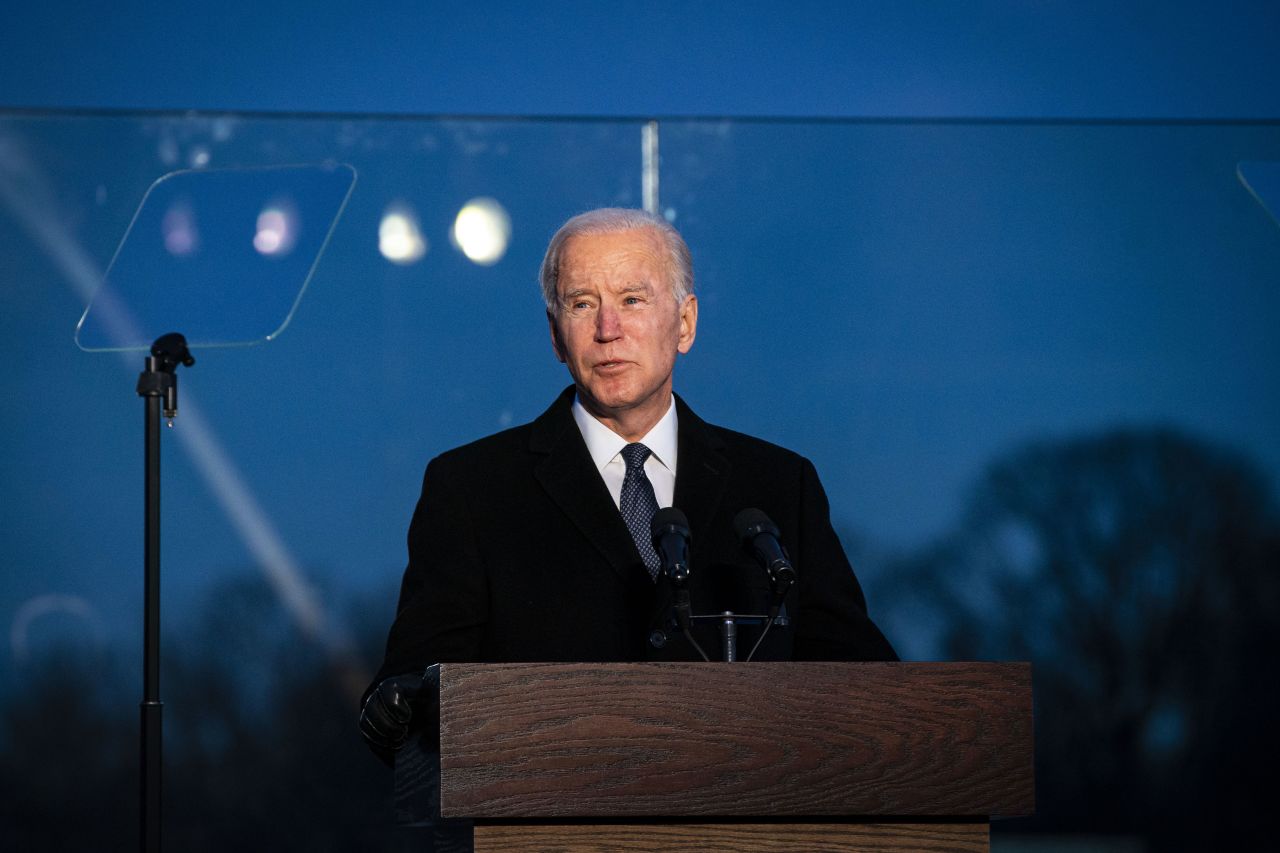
x=277, y=230
x=399, y=238
x=34, y=609
x=178, y=227
x=481, y=231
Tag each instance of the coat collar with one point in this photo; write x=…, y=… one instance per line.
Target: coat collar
x=569, y=477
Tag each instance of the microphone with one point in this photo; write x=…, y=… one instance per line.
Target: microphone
x=759, y=535
x=670, y=530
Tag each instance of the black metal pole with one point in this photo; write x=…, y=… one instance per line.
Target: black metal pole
x=151, y=704
x=729, y=636
x=158, y=386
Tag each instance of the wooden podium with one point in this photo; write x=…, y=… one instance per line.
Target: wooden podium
x=715, y=756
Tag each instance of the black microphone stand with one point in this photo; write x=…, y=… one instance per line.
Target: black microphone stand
x=156, y=384
x=728, y=623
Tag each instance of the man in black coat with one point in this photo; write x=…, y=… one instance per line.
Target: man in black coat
x=518, y=550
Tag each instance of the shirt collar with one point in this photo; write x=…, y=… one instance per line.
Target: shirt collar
x=604, y=444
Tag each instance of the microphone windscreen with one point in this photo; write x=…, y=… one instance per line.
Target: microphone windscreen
x=668, y=518
x=751, y=522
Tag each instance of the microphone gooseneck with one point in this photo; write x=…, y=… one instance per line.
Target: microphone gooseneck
x=759, y=536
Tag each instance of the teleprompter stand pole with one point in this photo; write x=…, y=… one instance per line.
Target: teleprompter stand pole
x=158, y=386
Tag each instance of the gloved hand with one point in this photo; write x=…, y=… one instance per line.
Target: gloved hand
x=384, y=719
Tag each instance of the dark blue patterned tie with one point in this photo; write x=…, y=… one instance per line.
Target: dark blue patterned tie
x=638, y=504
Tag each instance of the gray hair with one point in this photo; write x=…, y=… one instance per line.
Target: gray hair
x=610, y=220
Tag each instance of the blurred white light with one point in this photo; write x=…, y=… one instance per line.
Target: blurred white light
x=167, y=150
x=199, y=157
x=44, y=605
x=399, y=239
x=277, y=231
x=181, y=237
x=481, y=231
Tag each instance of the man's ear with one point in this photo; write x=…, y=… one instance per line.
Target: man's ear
x=556, y=345
x=688, y=324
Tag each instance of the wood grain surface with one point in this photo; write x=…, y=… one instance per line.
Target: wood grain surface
x=734, y=838
x=742, y=739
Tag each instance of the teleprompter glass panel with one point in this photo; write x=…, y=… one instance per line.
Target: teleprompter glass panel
x=221, y=255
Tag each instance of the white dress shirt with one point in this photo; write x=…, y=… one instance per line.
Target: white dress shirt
x=605, y=447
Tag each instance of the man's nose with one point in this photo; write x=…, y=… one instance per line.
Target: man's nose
x=608, y=324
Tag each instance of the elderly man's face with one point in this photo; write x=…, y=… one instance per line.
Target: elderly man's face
x=618, y=327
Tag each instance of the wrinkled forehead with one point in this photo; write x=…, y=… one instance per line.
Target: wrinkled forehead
x=614, y=258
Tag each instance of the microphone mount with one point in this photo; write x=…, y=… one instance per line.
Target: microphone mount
x=160, y=377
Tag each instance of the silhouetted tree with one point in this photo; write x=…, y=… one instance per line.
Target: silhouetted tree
x=266, y=747
x=68, y=767
x=261, y=744
x=1138, y=571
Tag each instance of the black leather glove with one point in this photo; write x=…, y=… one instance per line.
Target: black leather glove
x=384, y=719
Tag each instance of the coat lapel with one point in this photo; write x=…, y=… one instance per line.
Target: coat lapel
x=702, y=471
x=571, y=480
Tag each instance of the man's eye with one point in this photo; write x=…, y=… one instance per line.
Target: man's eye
x=633, y=300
